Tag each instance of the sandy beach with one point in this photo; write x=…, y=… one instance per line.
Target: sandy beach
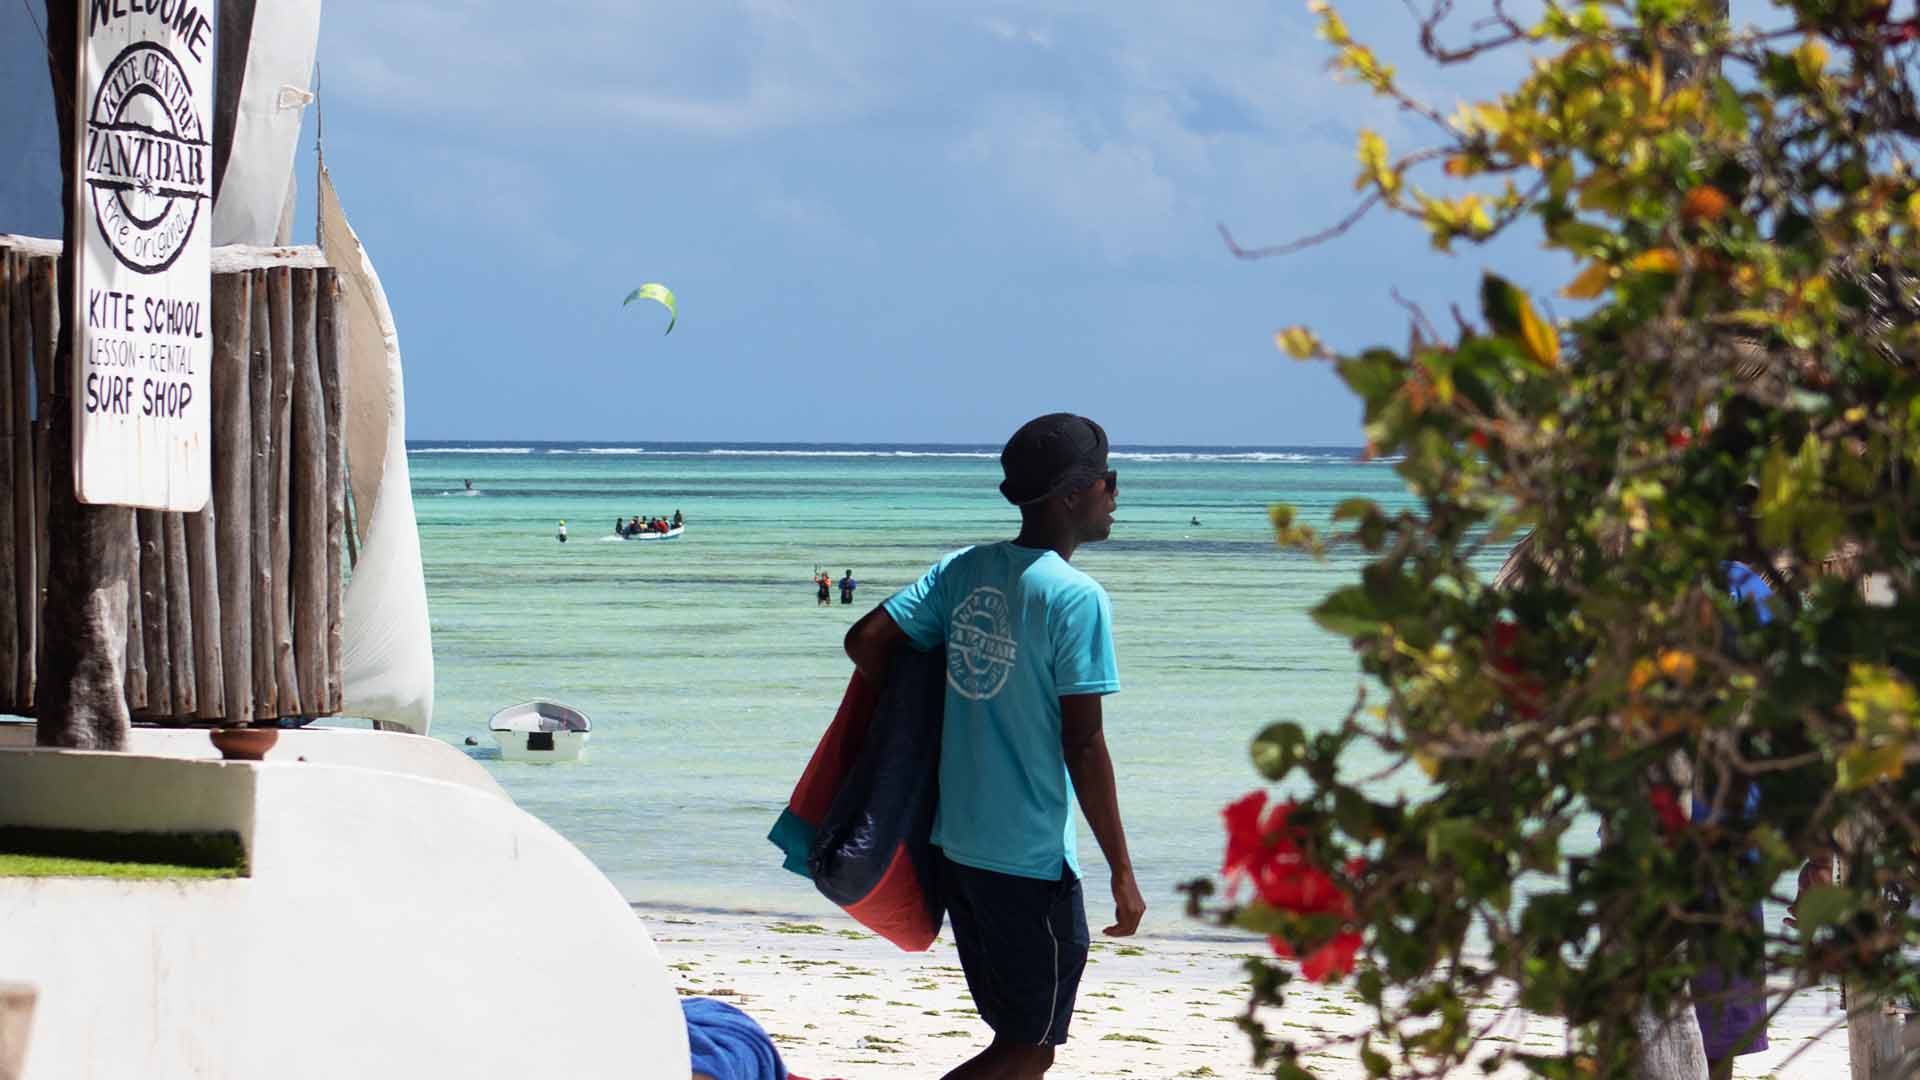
x=841, y=1002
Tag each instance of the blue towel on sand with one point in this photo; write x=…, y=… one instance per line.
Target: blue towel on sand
x=727, y=1044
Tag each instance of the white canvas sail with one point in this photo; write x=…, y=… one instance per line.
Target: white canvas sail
x=256, y=189
x=387, y=647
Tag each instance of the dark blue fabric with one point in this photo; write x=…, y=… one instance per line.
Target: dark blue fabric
x=1732, y=1006
x=727, y=1044
x=1023, y=944
x=889, y=796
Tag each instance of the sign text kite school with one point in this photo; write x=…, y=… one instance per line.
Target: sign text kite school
x=144, y=178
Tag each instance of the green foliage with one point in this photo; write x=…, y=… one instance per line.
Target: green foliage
x=1740, y=384
x=36, y=852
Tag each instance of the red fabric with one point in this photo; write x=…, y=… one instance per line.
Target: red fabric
x=896, y=909
x=834, y=757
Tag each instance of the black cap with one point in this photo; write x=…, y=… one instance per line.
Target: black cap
x=1052, y=455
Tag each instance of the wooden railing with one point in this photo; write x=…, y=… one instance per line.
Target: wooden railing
x=234, y=612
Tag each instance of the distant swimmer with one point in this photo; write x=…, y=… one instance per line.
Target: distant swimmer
x=562, y=534
x=847, y=585
x=469, y=485
x=1195, y=521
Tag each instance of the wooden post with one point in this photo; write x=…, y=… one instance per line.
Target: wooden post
x=260, y=398
x=233, y=489
x=203, y=579
x=82, y=703
x=308, y=511
x=10, y=628
x=46, y=325
x=26, y=512
x=153, y=613
x=136, y=680
x=330, y=329
x=186, y=691
x=280, y=303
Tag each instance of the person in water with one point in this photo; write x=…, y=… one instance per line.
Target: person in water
x=677, y=519
x=1029, y=657
x=823, y=582
x=619, y=527
x=469, y=485
x=562, y=537
x=847, y=585
x=1195, y=521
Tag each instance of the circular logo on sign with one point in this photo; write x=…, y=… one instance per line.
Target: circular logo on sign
x=148, y=158
x=980, y=645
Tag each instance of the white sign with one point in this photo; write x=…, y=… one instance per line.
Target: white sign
x=144, y=336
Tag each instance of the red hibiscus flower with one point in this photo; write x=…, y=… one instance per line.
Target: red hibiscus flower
x=1523, y=691
x=1264, y=849
x=1666, y=807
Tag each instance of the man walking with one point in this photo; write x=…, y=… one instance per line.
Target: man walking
x=1029, y=656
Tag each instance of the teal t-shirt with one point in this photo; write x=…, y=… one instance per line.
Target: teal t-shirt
x=1023, y=628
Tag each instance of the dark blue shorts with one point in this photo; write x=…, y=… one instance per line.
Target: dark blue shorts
x=1023, y=944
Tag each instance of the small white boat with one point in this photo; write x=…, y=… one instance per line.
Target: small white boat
x=540, y=731
x=670, y=534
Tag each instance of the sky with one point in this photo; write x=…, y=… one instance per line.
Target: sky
x=884, y=221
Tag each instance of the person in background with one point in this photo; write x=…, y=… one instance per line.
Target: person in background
x=562, y=537
x=678, y=520
x=823, y=582
x=847, y=585
x=1029, y=656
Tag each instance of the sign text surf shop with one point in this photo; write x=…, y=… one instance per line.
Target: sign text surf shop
x=144, y=174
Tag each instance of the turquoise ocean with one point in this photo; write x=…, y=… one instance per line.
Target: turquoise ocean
x=710, y=672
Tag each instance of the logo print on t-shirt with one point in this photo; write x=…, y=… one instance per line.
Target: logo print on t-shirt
x=980, y=645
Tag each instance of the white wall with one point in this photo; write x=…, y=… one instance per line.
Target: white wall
x=394, y=926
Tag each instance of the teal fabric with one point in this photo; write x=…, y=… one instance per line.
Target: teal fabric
x=1023, y=629
x=794, y=837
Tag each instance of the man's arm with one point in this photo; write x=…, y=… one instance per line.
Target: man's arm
x=870, y=642
x=1085, y=747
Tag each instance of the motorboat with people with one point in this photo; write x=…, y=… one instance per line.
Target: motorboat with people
x=540, y=730
x=653, y=528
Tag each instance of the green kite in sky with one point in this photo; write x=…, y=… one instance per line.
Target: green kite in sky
x=662, y=295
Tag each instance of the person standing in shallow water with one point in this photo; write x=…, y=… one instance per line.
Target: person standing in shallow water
x=1029, y=656
x=823, y=587
x=847, y=585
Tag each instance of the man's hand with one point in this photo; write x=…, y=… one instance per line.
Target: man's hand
x=1128, y=907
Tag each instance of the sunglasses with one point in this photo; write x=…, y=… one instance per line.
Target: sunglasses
x=1113, y=481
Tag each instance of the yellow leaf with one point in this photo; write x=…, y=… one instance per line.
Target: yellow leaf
x=1810, y=58
x=1373, y=164
x=1458, y=165
x=1663, y=260
x=1298, y=342
x=1543, y=344
x=1704, y=203
x=1678, y=665
x=1642, y=674
x=1590, y=283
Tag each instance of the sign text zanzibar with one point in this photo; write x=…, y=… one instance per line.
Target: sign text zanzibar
x=145, y=193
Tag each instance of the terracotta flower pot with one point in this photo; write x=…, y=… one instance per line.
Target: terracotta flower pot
x=243, y=743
